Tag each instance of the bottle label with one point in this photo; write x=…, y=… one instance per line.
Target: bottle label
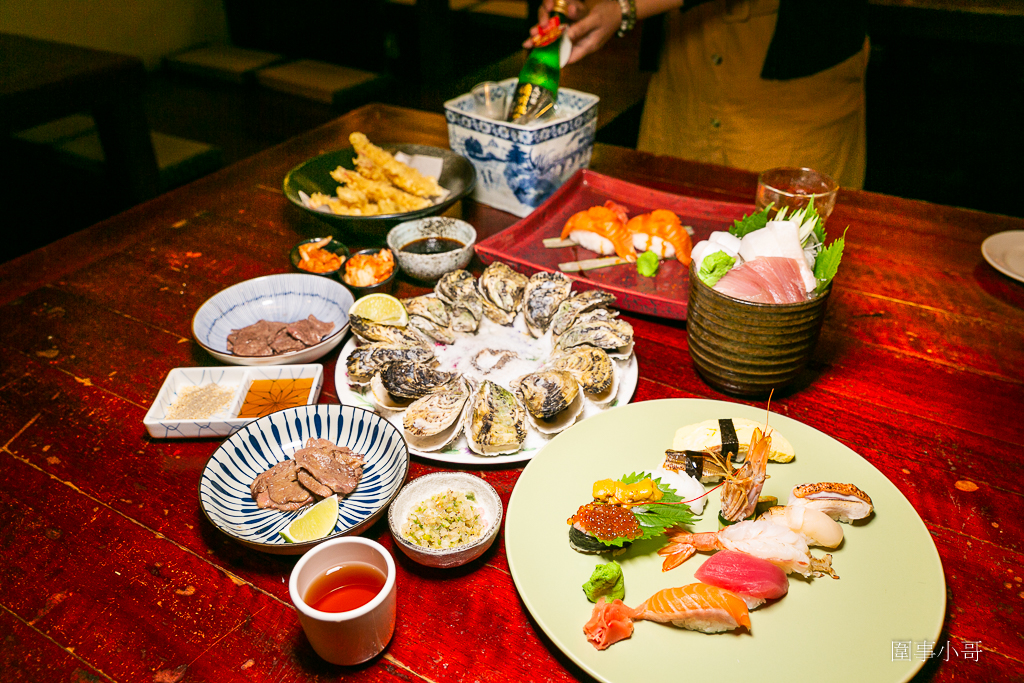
x=531, y=103
x=549, y=32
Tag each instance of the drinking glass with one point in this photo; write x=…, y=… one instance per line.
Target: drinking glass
x=491, y=100
x=793, y=188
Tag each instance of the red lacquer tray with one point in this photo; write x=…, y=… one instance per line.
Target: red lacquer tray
x=665, y=295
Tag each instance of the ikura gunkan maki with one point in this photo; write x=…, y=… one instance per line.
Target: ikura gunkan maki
x=632, y=508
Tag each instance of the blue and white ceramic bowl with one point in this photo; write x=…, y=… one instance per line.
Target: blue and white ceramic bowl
x=283, y=298
x=224, y=495
x=517, y=166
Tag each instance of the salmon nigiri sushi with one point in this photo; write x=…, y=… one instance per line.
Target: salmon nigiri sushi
x=697, y=607
x=601, y=229
x=661, y=231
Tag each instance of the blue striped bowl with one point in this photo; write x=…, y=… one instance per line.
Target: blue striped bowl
x=224, y=495
x=285, y=298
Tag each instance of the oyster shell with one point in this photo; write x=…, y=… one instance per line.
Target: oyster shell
x=495, y=423
x=434, y=421
x=544, y=293
x=489, y=360
x=439, y=333
x=402, y=382
x=592, y=368
x=613, y=335
x=366, y=360
x=430, y=307
x=501, y=290
x=397, y=336
x=553, y=399
x=576, y=304
x=458, y=289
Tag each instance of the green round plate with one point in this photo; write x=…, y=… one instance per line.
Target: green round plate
x=891, y=587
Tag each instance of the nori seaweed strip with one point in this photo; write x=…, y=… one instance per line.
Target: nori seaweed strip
x=692, y=462
x=730, y=442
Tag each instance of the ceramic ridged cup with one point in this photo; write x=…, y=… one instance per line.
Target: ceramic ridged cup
x=746, y=348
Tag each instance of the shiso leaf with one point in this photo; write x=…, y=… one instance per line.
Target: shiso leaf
x=647, y=264
x=714, y=266
x=748, y=224
x=827, y=264
x=655, y=518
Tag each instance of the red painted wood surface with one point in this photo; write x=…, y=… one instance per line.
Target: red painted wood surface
x=110, y=572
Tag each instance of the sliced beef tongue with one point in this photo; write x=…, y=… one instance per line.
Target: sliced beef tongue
x=284, y=342
x=310, y=331
x=279, y=489
x=255, y=339
x=335, y=468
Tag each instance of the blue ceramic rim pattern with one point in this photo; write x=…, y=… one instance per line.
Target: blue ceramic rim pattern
x=224, y=494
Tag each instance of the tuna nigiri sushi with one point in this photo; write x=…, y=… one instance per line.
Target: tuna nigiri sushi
x=601, y=229
x=660, y=231
x=697, y=607
x=754, y=580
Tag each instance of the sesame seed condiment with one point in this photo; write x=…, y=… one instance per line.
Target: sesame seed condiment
x=199, y=402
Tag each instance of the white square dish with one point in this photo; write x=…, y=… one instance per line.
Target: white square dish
x=226, y=421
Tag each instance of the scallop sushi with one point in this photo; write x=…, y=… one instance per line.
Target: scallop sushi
x=661, y=231
x=754, y=580
x=601, y=229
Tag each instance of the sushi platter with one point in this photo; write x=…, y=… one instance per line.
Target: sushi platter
x=839, y=628
x=664, y=295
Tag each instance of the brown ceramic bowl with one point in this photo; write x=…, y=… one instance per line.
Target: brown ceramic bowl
x=748, y=349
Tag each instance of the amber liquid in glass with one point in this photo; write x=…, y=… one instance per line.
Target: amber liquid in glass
x=344, y=587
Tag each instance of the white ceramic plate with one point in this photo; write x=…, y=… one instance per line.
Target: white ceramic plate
x=224, y=495
x=1005, y=252
x=891, y=588
x=225, y=422
x=490, y=335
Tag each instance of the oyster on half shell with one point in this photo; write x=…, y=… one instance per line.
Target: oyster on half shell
x=430, y=307
x=576, y=304
x=366, y=360
x=501, y=290
x=495, y=423
x=553, y=399
x=592, y=368
x=613, y=335
x=458, y=289
x=439, y=333
x=369, y=331
x=402, y=382
x=434, y=421
x=544, y=293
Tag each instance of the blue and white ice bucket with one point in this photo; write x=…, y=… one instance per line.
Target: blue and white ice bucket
x=517, y=166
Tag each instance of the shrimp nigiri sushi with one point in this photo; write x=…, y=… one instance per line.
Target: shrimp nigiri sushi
x=601, y=229
x=697, y=607
x=660, y=231
x=754, y=580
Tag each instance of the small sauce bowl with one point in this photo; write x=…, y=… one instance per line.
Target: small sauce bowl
x=430, y=267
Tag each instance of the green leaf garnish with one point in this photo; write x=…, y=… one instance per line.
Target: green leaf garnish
x=748, y=224
x=655, y=518
x=714, y=266
x=827, y=264
x=647, y=264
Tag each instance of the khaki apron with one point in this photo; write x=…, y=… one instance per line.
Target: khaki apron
x=708, y=102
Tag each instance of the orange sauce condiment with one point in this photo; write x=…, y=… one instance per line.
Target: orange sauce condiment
x=607, y=522
x=266, y=396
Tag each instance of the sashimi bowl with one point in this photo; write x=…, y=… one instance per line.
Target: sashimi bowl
x=746, y=348
x=482, y=498
x=285, y=298
x=224, y=487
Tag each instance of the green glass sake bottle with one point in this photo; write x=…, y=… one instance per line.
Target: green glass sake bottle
x=538, y=80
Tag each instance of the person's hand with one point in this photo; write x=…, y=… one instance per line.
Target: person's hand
x=591, y=28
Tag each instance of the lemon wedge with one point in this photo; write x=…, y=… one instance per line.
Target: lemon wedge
x=314, y=523
x=382, y=309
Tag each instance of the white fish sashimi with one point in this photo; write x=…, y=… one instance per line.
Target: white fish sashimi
x=728, y=240
x=778, y=238
x=706, y=248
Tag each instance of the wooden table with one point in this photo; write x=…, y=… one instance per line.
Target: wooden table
x=43, y=80
x=111, y=573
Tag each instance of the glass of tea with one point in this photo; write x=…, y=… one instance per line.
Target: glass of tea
x=344, y=591
x=794, y=188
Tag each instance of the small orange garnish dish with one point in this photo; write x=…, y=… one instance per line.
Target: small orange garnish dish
x=314, y=258
x=369, y=269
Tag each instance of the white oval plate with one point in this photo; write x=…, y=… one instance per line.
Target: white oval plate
x=1005, y=252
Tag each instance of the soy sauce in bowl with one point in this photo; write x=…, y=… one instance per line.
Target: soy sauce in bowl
x=433, y=245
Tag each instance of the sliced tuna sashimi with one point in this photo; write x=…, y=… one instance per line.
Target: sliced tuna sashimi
x=753, y=579
x=766, y=280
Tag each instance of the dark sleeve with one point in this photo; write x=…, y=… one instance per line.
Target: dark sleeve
x=814, y=35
